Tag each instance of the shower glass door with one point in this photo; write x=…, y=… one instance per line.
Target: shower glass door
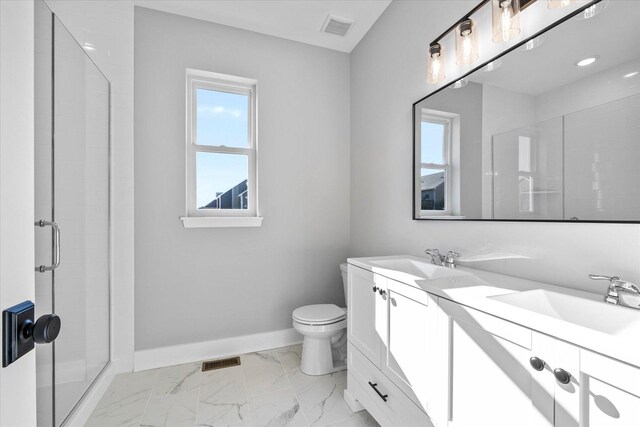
x=72, y=189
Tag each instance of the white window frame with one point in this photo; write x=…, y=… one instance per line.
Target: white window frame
x=433, y=117
x=197, y=79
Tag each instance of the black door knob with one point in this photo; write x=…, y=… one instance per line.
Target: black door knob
x=537, y=363
x=562, y=376
x=45, y=330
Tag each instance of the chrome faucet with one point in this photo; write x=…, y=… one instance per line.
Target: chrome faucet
x=615, y=286
x=436, y=257
x=448, y=260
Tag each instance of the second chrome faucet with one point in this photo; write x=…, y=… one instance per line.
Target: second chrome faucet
x=448, y=260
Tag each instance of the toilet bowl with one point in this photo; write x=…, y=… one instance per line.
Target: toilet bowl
x=324, y=328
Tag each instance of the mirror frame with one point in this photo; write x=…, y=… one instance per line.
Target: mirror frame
x=482, y=65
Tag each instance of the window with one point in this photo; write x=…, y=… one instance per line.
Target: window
x=221, y=151
x=434, y=158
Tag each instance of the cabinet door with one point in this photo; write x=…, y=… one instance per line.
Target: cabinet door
x=610, y=392
x=491, y=382
x=366, y=312
x=410, y=349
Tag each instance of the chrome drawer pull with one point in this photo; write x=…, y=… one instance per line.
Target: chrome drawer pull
x=382, y=396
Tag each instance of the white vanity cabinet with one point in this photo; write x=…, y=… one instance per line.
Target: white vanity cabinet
x=416, y=359
x=609, y=392
x=366, y=310
x=492, y=381
x=390, y=375
x=410, y=350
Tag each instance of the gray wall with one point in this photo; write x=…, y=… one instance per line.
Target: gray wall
x=387, y=76
x=195, y=285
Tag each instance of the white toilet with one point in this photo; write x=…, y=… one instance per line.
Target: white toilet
x=324, y=327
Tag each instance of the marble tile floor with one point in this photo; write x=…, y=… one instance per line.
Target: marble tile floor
x=268, y=389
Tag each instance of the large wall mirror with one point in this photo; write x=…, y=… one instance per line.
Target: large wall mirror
x=537, y=134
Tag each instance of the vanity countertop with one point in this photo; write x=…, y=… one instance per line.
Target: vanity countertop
x=615, y=335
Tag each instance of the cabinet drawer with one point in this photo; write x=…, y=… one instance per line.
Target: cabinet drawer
x=398, y=409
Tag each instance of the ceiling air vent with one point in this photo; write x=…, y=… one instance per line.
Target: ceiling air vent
x=337, y=26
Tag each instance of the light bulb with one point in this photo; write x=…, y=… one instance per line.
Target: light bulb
x=435, y=67
x=466, y=48
x=505, y=21
x=466, y=43
x=435, y=64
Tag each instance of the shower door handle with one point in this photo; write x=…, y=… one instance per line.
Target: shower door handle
x=56, y=245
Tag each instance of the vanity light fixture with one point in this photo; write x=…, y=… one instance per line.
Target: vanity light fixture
x=505, y=19
x=631, y=74
x=587, y=61
x=533, y=43
x=435, y=64
x=493, y=65
x=460, y=83
x=559, y=4
x=467, y=43
x=593, y=10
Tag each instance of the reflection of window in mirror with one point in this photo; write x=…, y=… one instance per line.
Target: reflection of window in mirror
x=437, y=158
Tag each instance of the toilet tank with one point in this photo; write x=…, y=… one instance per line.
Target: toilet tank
x=343, y=269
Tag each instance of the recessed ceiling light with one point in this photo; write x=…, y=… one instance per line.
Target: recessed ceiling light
x=533, y=43
x=593, y=10
x=587, y=61
x=492, y=65
x=460, y=83
x=89, y=46
x=631, y=74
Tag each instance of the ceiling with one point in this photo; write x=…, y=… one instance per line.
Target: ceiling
x=298, y=20
x=611, y=36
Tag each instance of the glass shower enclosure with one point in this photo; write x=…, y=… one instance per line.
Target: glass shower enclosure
x=72, y=217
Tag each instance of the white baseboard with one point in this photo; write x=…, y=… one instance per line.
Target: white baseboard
x=194, y=352
x=85, y=408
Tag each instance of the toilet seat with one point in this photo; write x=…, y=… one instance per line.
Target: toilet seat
x=319, y=314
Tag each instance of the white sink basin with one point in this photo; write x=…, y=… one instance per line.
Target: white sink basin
x=588, y=313
x=413, y=267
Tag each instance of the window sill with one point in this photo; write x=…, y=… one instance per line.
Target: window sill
x=219, y=221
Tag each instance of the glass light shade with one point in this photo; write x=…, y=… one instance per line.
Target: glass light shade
x=493, y=65
x=506, y=19
x=466, y=43
x=593, y=10
x=435, y=65
x=460, y=83
x=559, y=4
